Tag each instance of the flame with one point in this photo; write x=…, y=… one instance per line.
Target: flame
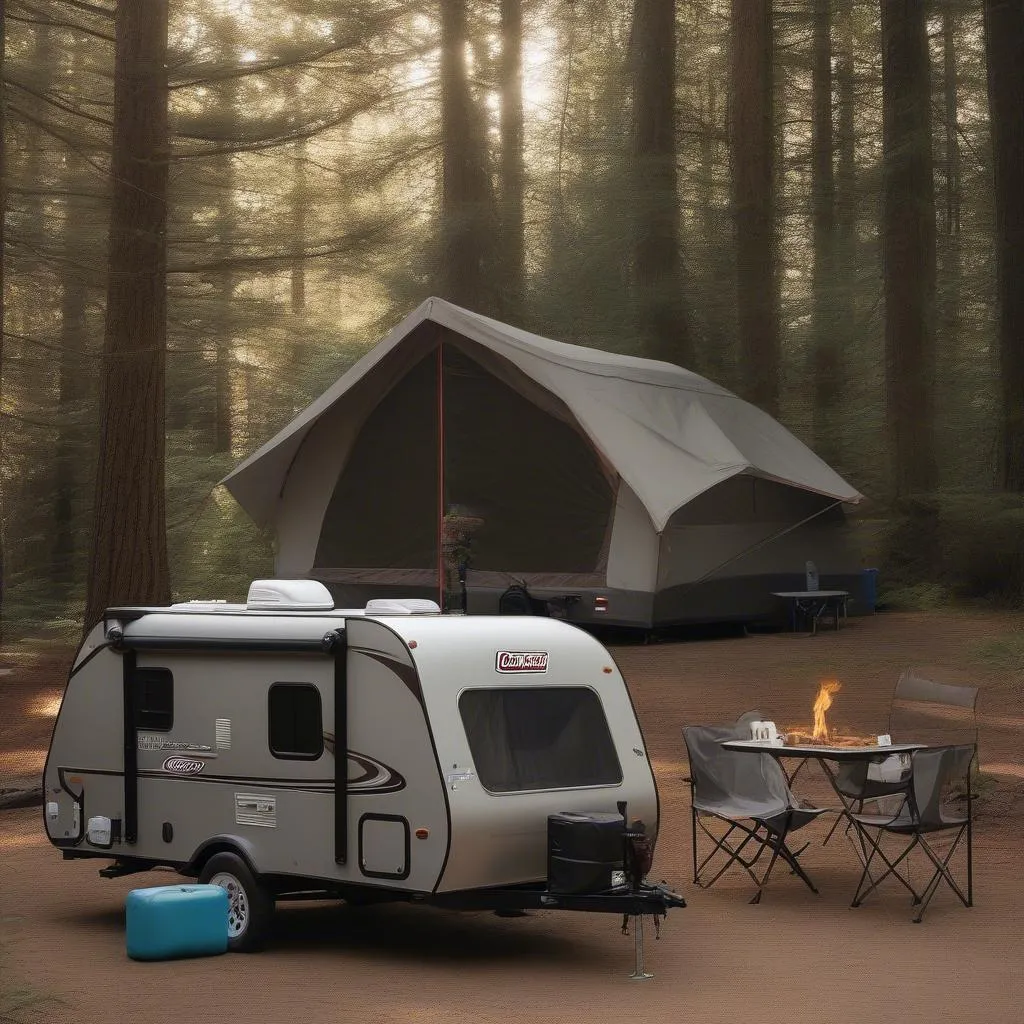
x=821, y=704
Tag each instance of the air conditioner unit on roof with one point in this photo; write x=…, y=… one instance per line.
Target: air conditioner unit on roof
x=302, y=595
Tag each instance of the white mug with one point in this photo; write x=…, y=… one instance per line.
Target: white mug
x=764, y=732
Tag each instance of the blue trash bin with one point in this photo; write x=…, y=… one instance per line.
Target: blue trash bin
x=869, y=588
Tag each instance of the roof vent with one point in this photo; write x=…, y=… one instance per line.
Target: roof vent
x=402, y=606
x=298, y=595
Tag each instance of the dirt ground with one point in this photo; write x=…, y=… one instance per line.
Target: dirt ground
x=796, y=957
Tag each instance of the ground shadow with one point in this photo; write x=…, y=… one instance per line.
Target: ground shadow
x=424, y=934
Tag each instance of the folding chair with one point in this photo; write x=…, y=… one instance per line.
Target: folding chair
x=920, y=711
x=934, y=773
x=749, y=794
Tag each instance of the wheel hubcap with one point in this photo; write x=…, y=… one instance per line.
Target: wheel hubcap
x=238, y=904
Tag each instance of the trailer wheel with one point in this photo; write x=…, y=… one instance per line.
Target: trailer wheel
x=250, y=905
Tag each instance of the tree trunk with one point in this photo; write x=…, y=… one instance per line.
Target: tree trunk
x=753, y=154
x=298, y=212
x=951, y=267
x=467, y=212
x=908, y=256
x=129, y=550
x=225, y=321
x=73, y=378
x=846, y=164
x=908, y=246
x=1004, y=46
x=3, y=308
x=298, y=274
x=827, y=351
x=37, y=140
x=952, y=155
x=656, y=253
x=226, y=318
x=513, y=173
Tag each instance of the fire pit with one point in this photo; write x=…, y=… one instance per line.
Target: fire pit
x=820, y=735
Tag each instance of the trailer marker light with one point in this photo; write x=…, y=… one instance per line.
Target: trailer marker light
x=607, y=670
x=422, y=833
x=412, y=643
x=600, y=604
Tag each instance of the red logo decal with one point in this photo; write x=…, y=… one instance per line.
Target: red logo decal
x=521, y=661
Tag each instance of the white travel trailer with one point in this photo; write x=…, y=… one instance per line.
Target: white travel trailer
x=203, y=736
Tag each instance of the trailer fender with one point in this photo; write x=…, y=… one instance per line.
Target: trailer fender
x=221, y=844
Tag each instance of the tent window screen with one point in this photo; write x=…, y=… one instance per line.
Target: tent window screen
x=539, y=738
x=296, y=721
x=154, y=699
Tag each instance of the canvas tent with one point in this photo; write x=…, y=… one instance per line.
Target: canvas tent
x=587, y=473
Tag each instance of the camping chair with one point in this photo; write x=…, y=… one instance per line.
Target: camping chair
x=921, y=711
x=934, y=776
x=750, y=795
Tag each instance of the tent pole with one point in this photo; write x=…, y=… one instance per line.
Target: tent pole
x=440, y=475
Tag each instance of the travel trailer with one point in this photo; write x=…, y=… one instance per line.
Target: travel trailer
x=491, y=762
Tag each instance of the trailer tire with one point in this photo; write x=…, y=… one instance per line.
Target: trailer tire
x=251, y=906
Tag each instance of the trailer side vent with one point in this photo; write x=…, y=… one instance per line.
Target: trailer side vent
x=301, y=595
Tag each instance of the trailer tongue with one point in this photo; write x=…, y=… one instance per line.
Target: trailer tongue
x=646, y=899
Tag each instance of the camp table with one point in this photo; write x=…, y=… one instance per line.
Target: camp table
x=813, y=604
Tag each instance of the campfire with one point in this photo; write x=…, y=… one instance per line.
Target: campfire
x=820, y=734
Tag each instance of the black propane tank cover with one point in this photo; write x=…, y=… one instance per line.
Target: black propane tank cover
x=584, y=848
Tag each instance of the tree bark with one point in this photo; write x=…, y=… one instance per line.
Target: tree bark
x=908, y=246
x=226, y=319
x=827, y=351
x=1004, y=46
x=298, y=272
x=950, y=256
x=467, y=208
x=657, y=258
x=846, y=163
x=73, y=379
x=513, y=172
x=753, y=153
x=224, y=344
x=128, y=562
x=3, y=307
x=952, y=154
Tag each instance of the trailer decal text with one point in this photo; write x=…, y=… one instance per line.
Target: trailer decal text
x=521, y=661
x=150, y=742
x=183, y=766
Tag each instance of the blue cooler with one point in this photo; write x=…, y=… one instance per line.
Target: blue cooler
x=172, y=921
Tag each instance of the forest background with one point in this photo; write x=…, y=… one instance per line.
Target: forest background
x=212, y=209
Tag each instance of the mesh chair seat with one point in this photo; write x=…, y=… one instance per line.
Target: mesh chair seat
x=905, y=824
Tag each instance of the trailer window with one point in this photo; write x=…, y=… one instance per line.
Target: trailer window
x=154, y=699
x=539, y=738
x=296, y=721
